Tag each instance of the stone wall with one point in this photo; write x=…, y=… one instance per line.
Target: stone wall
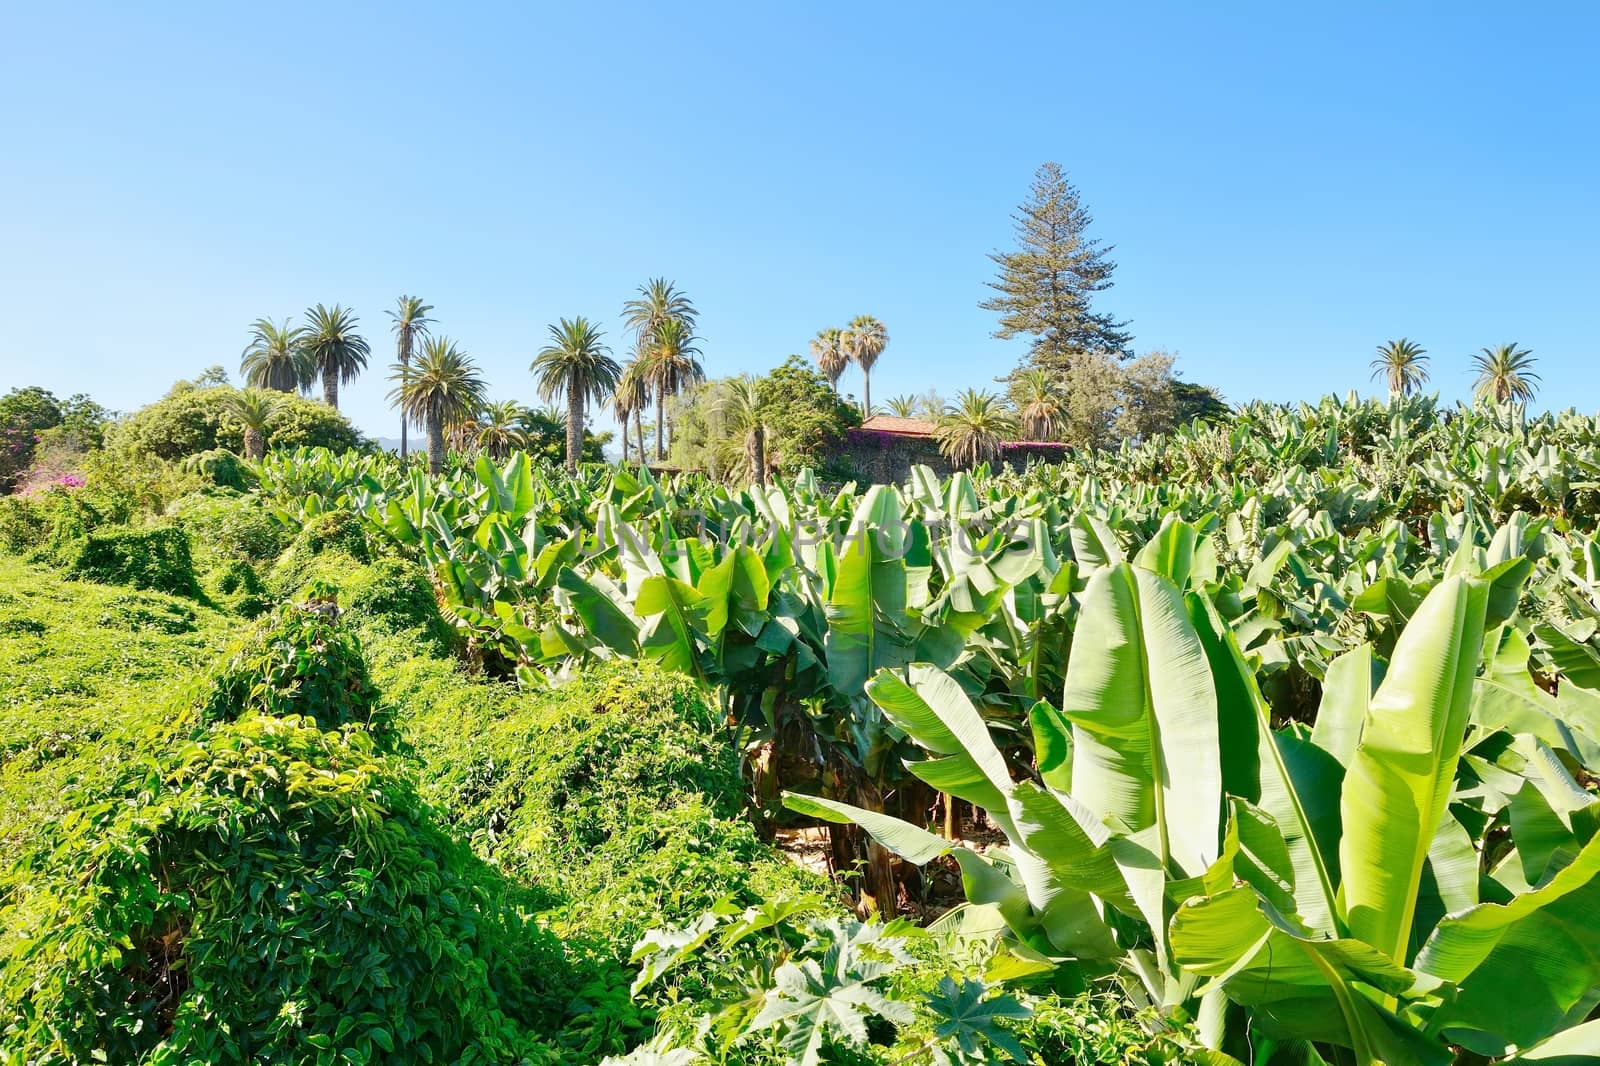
x=887, y=458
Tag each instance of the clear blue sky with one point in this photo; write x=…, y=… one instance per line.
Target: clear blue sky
x=1286, y=186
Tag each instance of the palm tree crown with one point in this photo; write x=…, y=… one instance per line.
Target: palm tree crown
x=863, y=341
x=830, y=355
x=630, y=400
x=1038, y=400
x=276, y=357
x=442, y=386
x=499, y=428
x=973, y=428
x=905, y=405
x=670, y=367
x=1403, y=364
x=411, y=324
x=337, y=351
x=743, y=440
x=255, y=409
x=658, y=301
x=1505, y=374
x=578, y=365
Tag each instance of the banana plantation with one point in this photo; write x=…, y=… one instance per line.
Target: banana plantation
x=1287, y=729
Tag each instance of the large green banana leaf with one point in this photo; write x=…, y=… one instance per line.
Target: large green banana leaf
x=1402, y=772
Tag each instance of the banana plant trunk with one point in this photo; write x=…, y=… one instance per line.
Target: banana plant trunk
x=574, y=428
x=435, y=442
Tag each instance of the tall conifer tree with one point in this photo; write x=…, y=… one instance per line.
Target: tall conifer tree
x=1046, y=287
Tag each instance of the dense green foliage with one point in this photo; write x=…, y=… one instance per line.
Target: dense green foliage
x=155, y=558
x=192, y=419
x=1189, y=681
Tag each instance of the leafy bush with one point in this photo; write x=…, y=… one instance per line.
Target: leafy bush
x=325, y=546
x=191, y=420
x=142, y=611
x=300, y=661
x=155, y=558
x=273, y=892
x=228, y=525
x=220, y=467
x=41, y=525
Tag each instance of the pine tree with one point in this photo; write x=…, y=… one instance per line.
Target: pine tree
x=1045, y=289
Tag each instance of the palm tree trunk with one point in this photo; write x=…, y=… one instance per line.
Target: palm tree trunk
x=866, y=393
x=638, y=432
x=574, y=428
x=756, y=443
x=625, y=441
x=330, y=387
x=254, y=446
x=405, y=367
x=435, y=443
x=661, y=420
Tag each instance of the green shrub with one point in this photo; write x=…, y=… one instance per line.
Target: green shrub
x=220, y=467
x=299, y=661
x=616, y=747
x=190, y=420
x=155, y=558
x=147, y=612
x=326, y=546
x=274, y=893
x=396, y=595
x=43, y=525
x=230, y=526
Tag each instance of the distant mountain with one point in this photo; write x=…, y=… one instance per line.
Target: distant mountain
x=392, y=444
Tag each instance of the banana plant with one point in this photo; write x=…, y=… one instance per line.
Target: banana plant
x=1358, y=888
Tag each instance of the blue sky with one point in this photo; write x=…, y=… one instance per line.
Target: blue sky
x=1286, y=186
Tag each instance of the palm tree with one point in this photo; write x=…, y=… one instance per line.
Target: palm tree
x=575, y=364
x=973, y=428
x=256, y=408
x=632, y=397
x=1038, y=401
x=830, y=355
x=337, y=351
x=743, y=416
x=276, y=357
x=499, y=428
x=1403, y=365
x=411, y=324
x=441, y=388
x=863, y=341
x=658, y=301
x=904, y=406
x=671, y=367
x=1505, y=373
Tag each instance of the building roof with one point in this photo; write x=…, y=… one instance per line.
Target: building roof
x=900, y=427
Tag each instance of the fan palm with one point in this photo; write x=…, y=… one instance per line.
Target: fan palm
x=863, y=341
x=1505, y=373
x=744, y=428
x=1038, y=401
x=973, y=428
x=904, y=406
x=670, y=367
x=276, y=357
x=575, y=364
x=337, y=351
x=255, y=409
x=631, y=398
x=1403, y=365
x=830, y=356
x=411, y=324
x=441, y=387
x=499, y=428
